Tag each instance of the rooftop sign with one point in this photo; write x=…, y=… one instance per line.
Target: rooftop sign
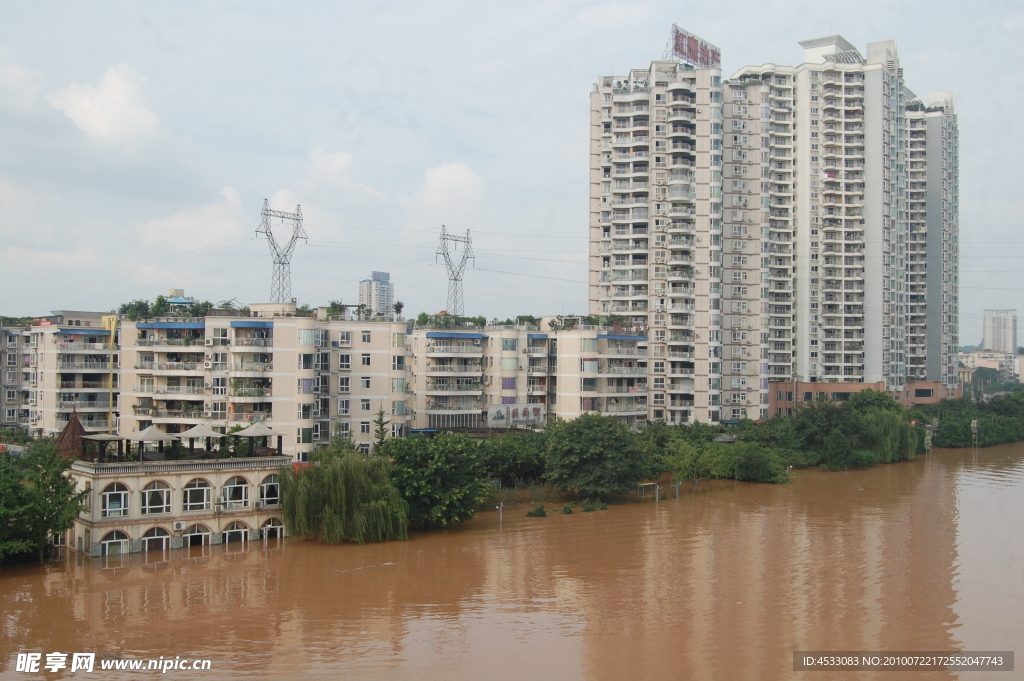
x=687, y=47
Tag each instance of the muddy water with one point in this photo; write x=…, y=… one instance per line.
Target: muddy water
x=723, y=583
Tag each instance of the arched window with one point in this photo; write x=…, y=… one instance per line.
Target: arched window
x=114, y=501
x=156, y=539
x=156, y=498
x=197, y=535
x=114, y=543
x=272, y=529
x=270, y=491
x=196, y=496
x=235, y=532
x=236, y=492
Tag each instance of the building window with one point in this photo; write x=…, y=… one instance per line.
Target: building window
x=114, y=501
x=343, y=407
x=363, y=447
x=235, y=532
x=114, y=543
x=366, y=336
x=509, y=344
x=156, y=539
x=364, y=382
x=156, y=498
x=364, y=405
x=197, y=535
x=364, y=426
x=196, y=496
x=343, y=384
x=306, y=337
x=364, y=360
x=270, y=491
x=344, y=362
x=236, y=492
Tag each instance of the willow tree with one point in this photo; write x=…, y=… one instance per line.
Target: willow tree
x=889, y=436
x=343, y=496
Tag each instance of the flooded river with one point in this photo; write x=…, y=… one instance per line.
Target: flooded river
x=722, y=583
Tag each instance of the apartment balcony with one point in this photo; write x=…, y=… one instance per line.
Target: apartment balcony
x=537, y=369
x=250, y=392
x=448, y=369
x=171, y=389
x=254, y=367
x=167, y=415
x=252, y=343
x=624, y=389
x=86, y=385
x=464, y=406
x=85, y=367
x=444, y=349
x=623, y=352
x=82, y=345
x=250, y=417
x=624, y=370
x=83, y=404
x=169, y=366
x=170, y=342
x=434, y=388
x=624, y=407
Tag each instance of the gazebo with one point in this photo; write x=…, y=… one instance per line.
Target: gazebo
x=151, y=434
x=102, y=439
x=259, y=430
x=196, y=432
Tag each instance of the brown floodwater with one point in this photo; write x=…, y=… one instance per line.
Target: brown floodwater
x=721, y=583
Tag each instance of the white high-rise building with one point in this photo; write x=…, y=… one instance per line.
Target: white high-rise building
x=1000, y=331
x=378, y=294
x=656, y=227
x=793, y=224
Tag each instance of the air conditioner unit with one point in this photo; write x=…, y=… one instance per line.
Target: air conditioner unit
x=206, y=414
x=179, y=525
x=220, y=501
x=209, y=356
x=209, y=341
x=206, y=385
x=258, y=504
x=476, y=341
x=207, y=365
x=334, y=344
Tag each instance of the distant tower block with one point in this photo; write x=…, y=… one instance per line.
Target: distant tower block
x=281, y=286
x=450, y=245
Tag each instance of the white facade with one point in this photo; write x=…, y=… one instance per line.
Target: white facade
x=377, y=294
x=1001, y=331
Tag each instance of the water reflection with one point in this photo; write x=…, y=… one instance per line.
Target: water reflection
x=720, y=584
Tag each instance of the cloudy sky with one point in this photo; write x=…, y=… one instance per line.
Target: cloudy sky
x=138, y=140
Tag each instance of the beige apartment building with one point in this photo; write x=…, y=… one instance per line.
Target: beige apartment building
x=306, y=377
x=62, y=363
x=520, y=376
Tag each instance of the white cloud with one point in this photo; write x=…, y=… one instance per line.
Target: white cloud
x=453, y=189
x=20, y=87
x=196, y=226
x=112, y=111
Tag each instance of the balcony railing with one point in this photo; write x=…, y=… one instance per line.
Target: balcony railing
x=252, y=366
x=473, y=405
x=253, y=342
x=176, y=342
x=87, y=366
x=250, y=392
x=442, y=348
x=170, y=366
x=455, y=368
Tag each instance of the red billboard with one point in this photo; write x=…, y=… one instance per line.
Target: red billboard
x=687, y=47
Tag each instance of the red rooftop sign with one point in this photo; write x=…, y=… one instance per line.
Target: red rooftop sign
x=687, y=47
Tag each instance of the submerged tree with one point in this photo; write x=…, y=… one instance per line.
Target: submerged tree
x=343, y=496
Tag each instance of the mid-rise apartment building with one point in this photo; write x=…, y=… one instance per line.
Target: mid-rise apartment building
x=791, y=224
x=502, y=376
x=307, y=377
x=377, y=294
x=61, y=363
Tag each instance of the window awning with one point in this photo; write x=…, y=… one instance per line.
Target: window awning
x=446, y=334
x=615, y=336
x=246, y=324
x=171, y=325
x=536, y=335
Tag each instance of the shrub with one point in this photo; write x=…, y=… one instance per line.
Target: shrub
x=567, y=509
x=539, y=512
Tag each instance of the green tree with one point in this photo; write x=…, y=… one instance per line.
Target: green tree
x=15, y=506
x=200, y=309
x=50, y=503
x=380, y=431
x=135, y=310
x=343, y=497
x=873, y=399
x=594, y=454
x=398, y=307
x=836, y=450
x=516, y=456
x=441, y=478
x=160, y=307
x=422, y=319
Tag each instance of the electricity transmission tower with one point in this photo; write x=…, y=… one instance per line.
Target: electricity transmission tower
x=281, y=286
x=455, y=269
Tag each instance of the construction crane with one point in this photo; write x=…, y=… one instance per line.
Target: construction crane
x=455, y=269
x=281, y=285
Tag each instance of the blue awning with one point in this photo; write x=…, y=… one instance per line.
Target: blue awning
x=180, y=301
x=536, y=335
x=615, y=336
x=252, y=325
x=446, y=334
x=171, y=325
x=79, y=331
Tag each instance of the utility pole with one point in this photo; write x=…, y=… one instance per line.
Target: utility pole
x=455, y=269
x=281, y=285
